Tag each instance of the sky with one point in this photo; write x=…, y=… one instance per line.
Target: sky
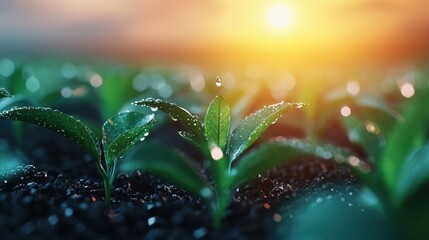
x=218, y=30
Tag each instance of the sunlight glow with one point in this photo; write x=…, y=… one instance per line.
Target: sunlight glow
x=279, y=16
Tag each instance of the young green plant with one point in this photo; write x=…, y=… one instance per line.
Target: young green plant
x=119, y=134
x=221, y=149
x=399, y=158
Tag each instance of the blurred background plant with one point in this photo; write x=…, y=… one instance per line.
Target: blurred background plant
x=392, y=202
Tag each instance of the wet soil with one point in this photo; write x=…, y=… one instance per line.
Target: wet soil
x=44, y=202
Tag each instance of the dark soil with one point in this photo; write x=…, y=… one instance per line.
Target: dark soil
x=41, y=203
x=61, y=197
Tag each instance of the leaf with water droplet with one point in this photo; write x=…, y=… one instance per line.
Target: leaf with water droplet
x=190, y=121
x=379, y=112
x=218, y=122
x=55, y=120
x=249, y=130
x=370, y=141
x=191, y=139
x=4, y=93
x=123, y=131
x=170, y=164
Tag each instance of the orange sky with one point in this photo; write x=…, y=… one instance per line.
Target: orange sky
x=218, y=30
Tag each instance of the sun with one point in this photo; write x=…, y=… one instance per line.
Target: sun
x=279, y=17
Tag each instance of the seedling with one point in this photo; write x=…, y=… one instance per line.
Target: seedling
x=397, y=166
x=326, y=105
x=221, y=149
x=119, y=134
x=400, y=156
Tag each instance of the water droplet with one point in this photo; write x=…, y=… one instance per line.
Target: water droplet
x=151, y=221
x=218, y=81
x=372, y=128
x=154, y=109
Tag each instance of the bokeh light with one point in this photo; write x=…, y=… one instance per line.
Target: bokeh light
x=96, y=81
x=353, y=88
x=407, y=90
x=346, y=111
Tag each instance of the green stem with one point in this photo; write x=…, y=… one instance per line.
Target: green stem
x=113, y=172
x=219, y=204
x=107, y=191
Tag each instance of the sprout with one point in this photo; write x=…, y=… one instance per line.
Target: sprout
x=220, y=147
x=120, y=134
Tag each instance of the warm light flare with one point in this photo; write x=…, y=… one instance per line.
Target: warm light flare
x=280, y=17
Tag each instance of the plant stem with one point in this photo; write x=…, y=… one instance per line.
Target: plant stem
x=220, y=203
x=107, y=190
x=218, y=212
x=112, y=174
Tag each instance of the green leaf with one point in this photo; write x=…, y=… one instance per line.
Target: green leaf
x=367, y=135
x=407, y=136
x=190, y=121
x=413, y=174
x=218, y=122
x=59, y=122
x=4, y=93
x=249, y=130
x=263, y=159
x=115, y=81
x=376, y=110
x=191, y=139
x=269, y=155
x=170, y=164
x=123, y=131
x=366, y=107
